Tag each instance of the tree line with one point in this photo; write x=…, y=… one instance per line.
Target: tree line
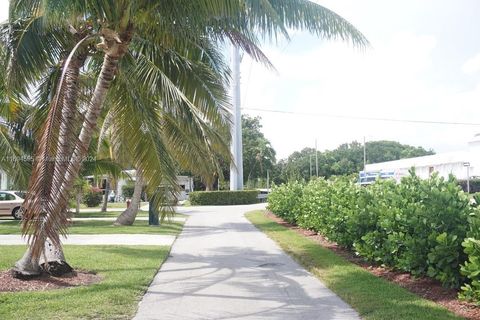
x=259, y=157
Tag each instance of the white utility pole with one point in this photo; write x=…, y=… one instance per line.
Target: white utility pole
x=236, y=167
x=316, y=158
x=310, y=166
x=467, y=164
x=268, y=180
x=364, y=155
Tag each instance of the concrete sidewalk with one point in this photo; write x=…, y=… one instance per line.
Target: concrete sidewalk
x=222, y=267
x=173, y=219
x=100, y=239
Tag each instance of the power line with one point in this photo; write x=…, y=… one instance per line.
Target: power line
x=328, y=115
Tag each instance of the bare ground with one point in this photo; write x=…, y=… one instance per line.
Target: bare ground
x=46, y=282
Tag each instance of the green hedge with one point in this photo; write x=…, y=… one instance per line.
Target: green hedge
x=285, y=200
x=216, y=198
x=127, y=189
x=425, y=227
x=92, y=199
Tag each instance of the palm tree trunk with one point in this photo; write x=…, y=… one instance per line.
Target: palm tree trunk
x=208, y=185
x=127, y=218
x=105, y=199
x=78, y=197
x=104, y=81
x=27, y=267
x=52, y=261
x=59, y=201
x=68, y=128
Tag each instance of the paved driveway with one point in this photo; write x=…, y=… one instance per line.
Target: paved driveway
x=222, y=267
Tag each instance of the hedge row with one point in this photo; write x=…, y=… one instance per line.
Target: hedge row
x=425, y=227
x=215, y=198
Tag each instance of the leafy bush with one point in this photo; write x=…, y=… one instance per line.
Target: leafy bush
x=204, y=198
x=310, y=207
x=127, y=189
x=471, y=268
x=474, y=185
x=284, y=200
x=416, y=226
x=92, y=198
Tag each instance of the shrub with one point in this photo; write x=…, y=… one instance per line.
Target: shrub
x=204, y=198
x=92, y=198
x=284, y=200
x=416, y=226
x=474, y=185
x=311, y=207
x=127, y=189
x=471, y=268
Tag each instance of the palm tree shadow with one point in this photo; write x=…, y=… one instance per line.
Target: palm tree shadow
x=235, y=279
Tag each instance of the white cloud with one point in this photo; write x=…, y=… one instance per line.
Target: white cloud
x=472, y=65
x=3, y=10
x=387, y=81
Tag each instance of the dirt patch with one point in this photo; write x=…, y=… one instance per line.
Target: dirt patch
x=427, y=288
x=46, y=282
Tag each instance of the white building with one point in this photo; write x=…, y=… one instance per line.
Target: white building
x=460, y=163
x=3, y=180
x=185, y=183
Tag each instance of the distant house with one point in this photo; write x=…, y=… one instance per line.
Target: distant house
x=184, y=182
x=460, y=163
x=3, y=180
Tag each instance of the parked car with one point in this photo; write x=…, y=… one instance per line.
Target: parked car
x=11, y=203
x=263, y=194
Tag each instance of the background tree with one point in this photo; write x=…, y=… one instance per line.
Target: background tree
x=344, y=160
x=258, y=154
x=296, y=167
x=380, y=151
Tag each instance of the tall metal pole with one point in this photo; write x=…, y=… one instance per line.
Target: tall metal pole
x=468, y=179
x=310, y=166
x=236, y=167
x=316, y=158
x=364, y=155
x=268, y=180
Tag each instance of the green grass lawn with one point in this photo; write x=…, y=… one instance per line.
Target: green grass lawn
x=105, y=227
x=108, y=214
x=372, y=297
x=126, y=271
x=111, y=205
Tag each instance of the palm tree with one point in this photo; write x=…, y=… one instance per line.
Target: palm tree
x=174, y=66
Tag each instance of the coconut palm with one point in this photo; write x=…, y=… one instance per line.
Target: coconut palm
x=167, y=54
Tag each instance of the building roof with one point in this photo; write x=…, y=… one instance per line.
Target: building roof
x=432, y=160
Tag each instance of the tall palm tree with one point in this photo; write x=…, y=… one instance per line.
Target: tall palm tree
x=167, y=52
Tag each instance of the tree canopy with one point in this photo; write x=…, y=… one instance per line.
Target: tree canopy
x=345, y=159
x=258, y=154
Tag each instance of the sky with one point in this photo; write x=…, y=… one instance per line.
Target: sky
x=423, y=63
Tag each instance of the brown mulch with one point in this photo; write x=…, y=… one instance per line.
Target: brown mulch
x=46, y=282
x=427, y=288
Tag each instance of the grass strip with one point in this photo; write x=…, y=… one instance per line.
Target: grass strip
x=110, y=205
x=374, y=298
x=126, y=270
x=108, y=214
